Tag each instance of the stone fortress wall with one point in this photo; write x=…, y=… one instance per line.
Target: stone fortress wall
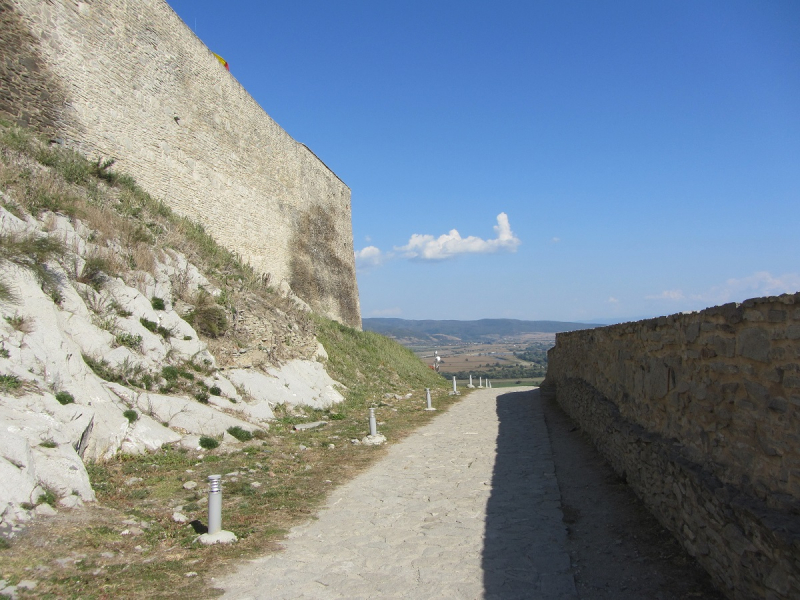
x=128, y=79
x=700, y=412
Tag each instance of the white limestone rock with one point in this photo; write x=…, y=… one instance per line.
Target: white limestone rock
x=225, y=386
x=47, y=356
x=45, y=510
x=130, y=299
x=260, y=413
x=87, y=337
x=70, y=502
x=320, y=354
x=19, y=485
x=188, y=415
x=297, y=383
x=147, y=435
x=26, y=469
x=62, y=470
x=29, y=421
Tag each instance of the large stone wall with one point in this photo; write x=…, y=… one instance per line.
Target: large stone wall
x=701, y=413
x=128, y=79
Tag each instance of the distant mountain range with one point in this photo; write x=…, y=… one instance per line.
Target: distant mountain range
x=467, y=331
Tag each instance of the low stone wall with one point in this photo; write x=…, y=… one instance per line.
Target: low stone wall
x=701, y=413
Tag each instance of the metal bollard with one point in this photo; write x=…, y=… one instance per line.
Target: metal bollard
x=470, y=379
x=455, y=389
x=214, y=504
x=373, y=425
x=428, y=394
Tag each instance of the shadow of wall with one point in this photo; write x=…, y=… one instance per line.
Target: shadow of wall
x=524, y=552
x=700, y=413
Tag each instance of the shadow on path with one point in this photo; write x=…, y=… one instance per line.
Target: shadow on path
x=524, y=553
x=618, y=549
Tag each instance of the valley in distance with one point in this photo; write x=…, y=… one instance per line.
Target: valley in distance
x=507, y=351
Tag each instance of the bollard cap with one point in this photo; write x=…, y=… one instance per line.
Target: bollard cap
x=214, y=483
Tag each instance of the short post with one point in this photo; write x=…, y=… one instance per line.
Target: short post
x=428, y=395
x=470, y=379
x=214, y=504
x=373, y=425
x=455, y=387
x=480, y=382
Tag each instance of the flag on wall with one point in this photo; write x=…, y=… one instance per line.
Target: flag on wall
x=222, y=60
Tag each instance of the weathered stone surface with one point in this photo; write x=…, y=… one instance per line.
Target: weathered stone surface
x=187, y=131
x=717, y=458
x=753, y=343
x=147, y=435
x=188, y=415
x=298, y=382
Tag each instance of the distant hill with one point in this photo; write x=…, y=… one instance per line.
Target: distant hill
x=467, y=331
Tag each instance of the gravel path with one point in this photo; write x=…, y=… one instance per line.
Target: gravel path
x=466, y=507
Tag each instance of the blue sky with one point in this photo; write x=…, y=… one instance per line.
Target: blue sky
x=541, y=160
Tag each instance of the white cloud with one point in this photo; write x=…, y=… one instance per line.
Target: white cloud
x=613, y=300
x=555, y=240
x=370, y=256
x=448, y=245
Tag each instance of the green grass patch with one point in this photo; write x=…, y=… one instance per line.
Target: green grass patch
x=151, y=326
x=9, y=382
x=209, y=443
x=240, y=434
x=129, y=340
x=65, y=397
x=371, y=364
x=31, y=252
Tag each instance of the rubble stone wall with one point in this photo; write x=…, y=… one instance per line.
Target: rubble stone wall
x=700, y=412
x=127, y=79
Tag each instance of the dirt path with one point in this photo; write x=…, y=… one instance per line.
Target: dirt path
x=618, y=549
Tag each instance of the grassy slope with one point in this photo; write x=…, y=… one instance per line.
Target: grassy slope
x=84, y=553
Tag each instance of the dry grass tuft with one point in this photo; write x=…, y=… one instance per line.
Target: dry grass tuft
x=143, y=258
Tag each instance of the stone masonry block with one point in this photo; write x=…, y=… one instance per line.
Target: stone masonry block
x=753, y=343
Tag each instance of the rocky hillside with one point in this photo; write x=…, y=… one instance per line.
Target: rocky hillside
x=124, y=328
